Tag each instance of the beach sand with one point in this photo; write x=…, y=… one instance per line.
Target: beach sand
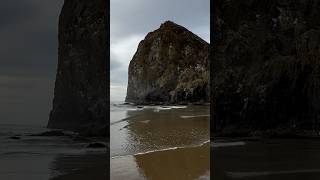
x=173, y=164
x=85, y=167
x=160, y=143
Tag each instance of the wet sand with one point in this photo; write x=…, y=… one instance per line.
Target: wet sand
x=160, y=143
x=266, y=159
x=91, y=166
x=181, y=163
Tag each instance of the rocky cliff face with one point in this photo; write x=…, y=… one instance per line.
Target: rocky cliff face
x=170, y=66
x=266, y=66
x=80, y=97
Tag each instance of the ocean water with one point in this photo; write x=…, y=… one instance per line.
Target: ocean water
x=159, y=142
x=44, y=158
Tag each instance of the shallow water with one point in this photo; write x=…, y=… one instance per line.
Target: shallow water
x=44, y=158
x=181, y=163
x=266, y=159
x=157, y=142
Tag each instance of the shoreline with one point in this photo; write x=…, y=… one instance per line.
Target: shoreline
x=207, y=142
x=159, y=142
x=96, y=170
x=167, y=104
x=176, y=163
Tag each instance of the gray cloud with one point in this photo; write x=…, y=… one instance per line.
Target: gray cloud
x=142, y=16
x=29, y=36
x=28, y=58
x=132, y=20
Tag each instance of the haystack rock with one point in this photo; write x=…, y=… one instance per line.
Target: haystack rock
x=170, y=66
x=80, y=96
x=266, y=67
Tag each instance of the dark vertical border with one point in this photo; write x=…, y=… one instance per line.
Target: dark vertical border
x=214, y=34
x=211, y=91
x=108, y=87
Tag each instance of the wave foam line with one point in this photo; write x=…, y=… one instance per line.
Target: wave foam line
x=122, y=120
x=162, y=150
x=164, y=107
x=185, y=117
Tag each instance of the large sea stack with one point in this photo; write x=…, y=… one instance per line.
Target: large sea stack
x=171, y=66
x=80, y=96
x=266, y=67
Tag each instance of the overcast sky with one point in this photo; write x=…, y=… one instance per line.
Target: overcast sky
x=28, y=58
x=131, y=20
x=29, y=44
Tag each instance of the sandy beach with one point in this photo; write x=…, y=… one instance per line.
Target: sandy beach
x=155, y=142
x=181, y=163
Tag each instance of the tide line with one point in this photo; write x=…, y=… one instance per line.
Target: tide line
x=162, y=150
x=186, y=117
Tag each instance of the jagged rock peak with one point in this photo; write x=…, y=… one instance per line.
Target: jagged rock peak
x=170, y=24
x=170, y=66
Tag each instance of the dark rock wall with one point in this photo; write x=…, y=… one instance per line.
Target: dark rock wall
x=80, y=96
x=266, y=66
x=170, y=66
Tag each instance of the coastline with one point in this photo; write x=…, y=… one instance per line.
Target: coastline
x=152, y=141
x=187, y=163
x=167, y=104
x=54, y=154
x=93, y=167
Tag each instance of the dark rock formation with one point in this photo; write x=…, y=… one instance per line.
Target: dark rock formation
x=266, y=66
x=80, y=97
x=15, y=137
x=52, y=133
x=170, y=66
x=97, y=145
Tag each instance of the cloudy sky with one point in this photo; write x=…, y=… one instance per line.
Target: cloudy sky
x=131, y=20
x=28, y=58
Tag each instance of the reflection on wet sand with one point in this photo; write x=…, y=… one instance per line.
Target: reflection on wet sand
x=148, y=130
x=181, y=163
x=184, y=163
x=153, y=143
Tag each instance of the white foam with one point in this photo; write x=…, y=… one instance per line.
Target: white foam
x=145, y=121
x=186, y=117
x=162, y=150
x=205, y=142
x=178, y=107
x=160, y=108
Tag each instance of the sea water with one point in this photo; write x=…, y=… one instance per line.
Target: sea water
x=42, y=158
x=159, y=142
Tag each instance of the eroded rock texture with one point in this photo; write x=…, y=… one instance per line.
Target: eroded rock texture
x=80, y=97
x=170, y=66
x=266, y=66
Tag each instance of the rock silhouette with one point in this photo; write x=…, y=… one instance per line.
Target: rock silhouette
x=80, y=95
